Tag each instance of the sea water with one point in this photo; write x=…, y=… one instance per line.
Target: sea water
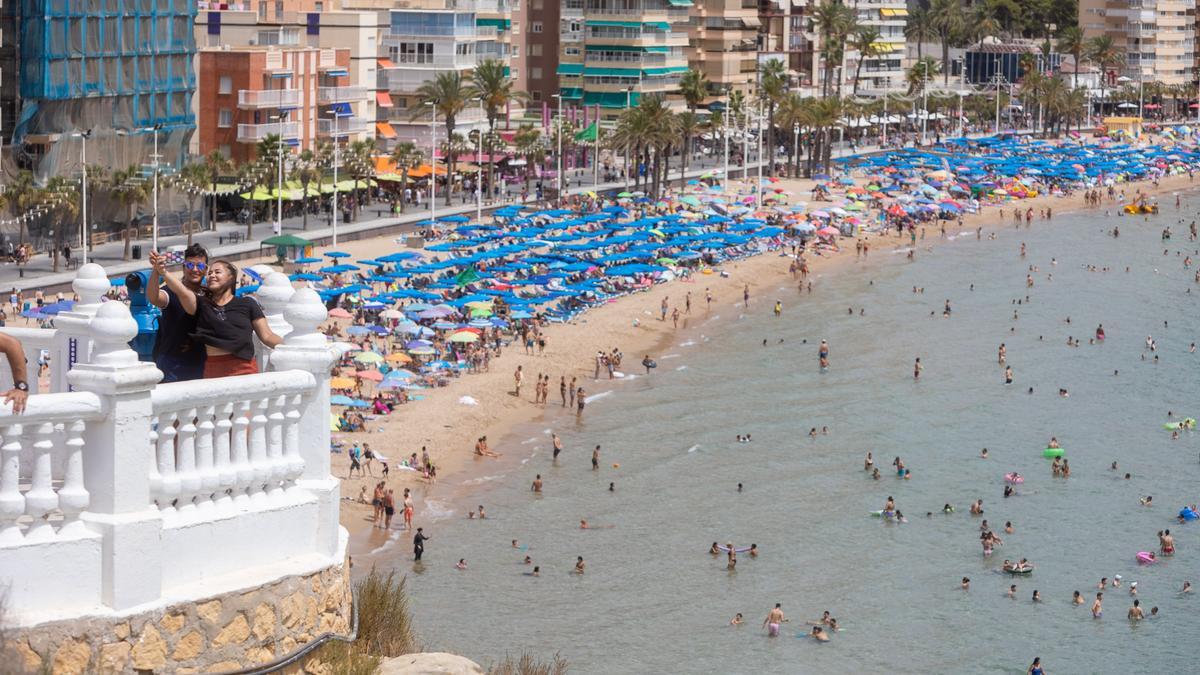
x=654, y=601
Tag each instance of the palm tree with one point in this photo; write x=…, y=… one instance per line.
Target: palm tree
x=835, y=21
x=921, y=71
x=688, y=124
x=215, y=165
x=61, y=197
x=772, y=85
x=269, y=152
x=789, y=115
x=528, y=144
x=981, y=22
x=1008, y=14
x=1071, y=41
x=359, y=158
x=407, y=157
x=948, y=20
x=919, y=28
x=191, y=179
x=1104, y=52
x=865, y=41
x=23, y=194
x=693, y=86
x=492, y=85
x=448, y=94
x=129, y=188
x=307, y=171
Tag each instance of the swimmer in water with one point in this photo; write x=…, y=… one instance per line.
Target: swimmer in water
x=736, y=620
x=819, y=635
x=461, y=564
x=966, y=584
x=774, y=618
x=579, y=565
x=1077, y=599
x=1097, y=607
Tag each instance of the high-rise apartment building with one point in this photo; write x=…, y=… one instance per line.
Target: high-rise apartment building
x=1156, y=37
x=882, y=69
x=723, y=43
x=422, y=42
x=787, y=34
x=320, y=84
x=118, y=70
x=624, y=49
x=300, y=94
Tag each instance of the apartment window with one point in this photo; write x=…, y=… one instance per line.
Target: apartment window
x=225, y=85
x=535, y=73
x=225, y=151
x=535, y=27
x=278, y=9
x=515, y=28
x=571, y=51
x=536, y=5
x=535, y=49
x=319, y=7
x=576, y=26
x=535, y=95
x=262, y=9
x=516, y=51
x=225, y=118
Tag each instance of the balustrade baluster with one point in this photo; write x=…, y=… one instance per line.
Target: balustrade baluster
x=73, y=496
x=189, y=477
x=291, y=439
x=205, y=466
x=275, y=445
x=12, y=502
x=226, y=473
x=240, y=440
x=169, y=492
x=41, y=498
x=258, y=450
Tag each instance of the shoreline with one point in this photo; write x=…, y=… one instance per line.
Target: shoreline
x=448, y=427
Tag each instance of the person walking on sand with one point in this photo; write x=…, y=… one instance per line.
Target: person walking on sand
x=596, y=459
x=562, y=390
x=517, y=377
x=917, y=368
x=408, y=510
x=774, y=618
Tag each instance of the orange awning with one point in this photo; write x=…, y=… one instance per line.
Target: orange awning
x=385, y=130
x=423, y=171
x=386, y=63
x=384, y=99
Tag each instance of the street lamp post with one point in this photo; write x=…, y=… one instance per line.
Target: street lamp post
x=558, y=168
x=479, y=165
x=279, y=176
x=83, y=242
x=796, y=147
x=924, y=102
x=337, y=159
x=758, y=146
x=432, y=162
x=154, y=222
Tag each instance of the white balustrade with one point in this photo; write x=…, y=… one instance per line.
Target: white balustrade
x=52, y=424
x=113, y=496
x=223, y=441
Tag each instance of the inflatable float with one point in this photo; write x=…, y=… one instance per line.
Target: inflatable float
x=1014, y=478
x=740, y=549
x=1051, y=453
x=1145, y=557
x=1188, y=514
x=1188, y=423
x=1028, y=569
x=1135, y=209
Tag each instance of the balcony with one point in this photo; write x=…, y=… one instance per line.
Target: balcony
x=406, y=34
x=253, y=133
x=341, y=94
x=342, y=126
x=259, y=99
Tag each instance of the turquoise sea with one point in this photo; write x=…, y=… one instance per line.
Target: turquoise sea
x=654, y=601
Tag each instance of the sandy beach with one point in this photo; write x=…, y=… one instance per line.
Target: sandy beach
x=448, y=428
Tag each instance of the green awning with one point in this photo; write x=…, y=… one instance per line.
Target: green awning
x=680, y=3
x=503, y=24
x=571, y=92
x=615, y=24
x=611, y=99
x=660, y=25
x=570, y=69
x=627, y=48
x=665, y=71
x=611, y=72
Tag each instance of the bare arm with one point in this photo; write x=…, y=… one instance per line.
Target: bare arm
x=186, y=297
x=154, y=294
x=265, y=334
x=11, y=347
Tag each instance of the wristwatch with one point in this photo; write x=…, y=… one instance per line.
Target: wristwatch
x=21, y=386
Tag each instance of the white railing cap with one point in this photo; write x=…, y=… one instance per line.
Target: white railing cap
x=90, y=284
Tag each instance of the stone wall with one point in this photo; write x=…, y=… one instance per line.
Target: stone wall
x=213, y=635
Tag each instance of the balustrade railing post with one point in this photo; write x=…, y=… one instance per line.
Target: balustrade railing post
x=118, y=455
x=274, y=293
x=73, y=341
x=304, y=348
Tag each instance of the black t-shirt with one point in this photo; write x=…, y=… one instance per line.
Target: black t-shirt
x=228, y=326
x=175, y=328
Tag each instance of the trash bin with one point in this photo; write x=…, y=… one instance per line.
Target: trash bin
x=137, y=251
